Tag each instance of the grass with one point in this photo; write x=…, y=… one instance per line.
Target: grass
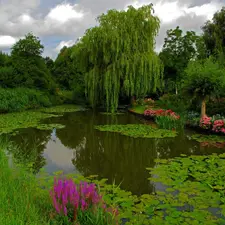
x=137, y=131
x=138, y=109
x=20, y=202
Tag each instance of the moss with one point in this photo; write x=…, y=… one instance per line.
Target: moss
x=137, y=131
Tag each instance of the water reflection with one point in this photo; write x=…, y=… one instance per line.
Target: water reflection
x=82, y=149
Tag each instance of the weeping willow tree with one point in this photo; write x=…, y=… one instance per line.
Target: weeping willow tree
x=118, y=56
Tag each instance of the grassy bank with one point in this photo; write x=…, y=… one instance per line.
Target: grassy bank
x=20, y=203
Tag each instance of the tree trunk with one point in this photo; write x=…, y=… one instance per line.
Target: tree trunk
x=203, y=108
x=176, y=89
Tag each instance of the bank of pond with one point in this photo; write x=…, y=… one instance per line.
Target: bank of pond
x=68, y=165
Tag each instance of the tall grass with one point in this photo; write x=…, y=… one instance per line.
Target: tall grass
x=167, y=122
x=19, y=99
x=20, y=201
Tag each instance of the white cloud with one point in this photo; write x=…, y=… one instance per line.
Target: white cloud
x=64, y=12
x=64, y=43
x=7, y=41
x=26, y=19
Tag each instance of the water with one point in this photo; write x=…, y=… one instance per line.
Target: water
x=82, y=149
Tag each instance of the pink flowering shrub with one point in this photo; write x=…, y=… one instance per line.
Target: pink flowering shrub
x=205, y=122
x=80, y=202
x=217, y=125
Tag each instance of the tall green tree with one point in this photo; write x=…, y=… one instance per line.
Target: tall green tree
x=214, y=34
x=28, y=65
x=118, y=56
x=178, y=50
x=204, y=79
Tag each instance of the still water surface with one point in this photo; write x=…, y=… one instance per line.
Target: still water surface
x=82, y=149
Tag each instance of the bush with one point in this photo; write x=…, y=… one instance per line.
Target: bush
x=20, y=99
x=177, y=103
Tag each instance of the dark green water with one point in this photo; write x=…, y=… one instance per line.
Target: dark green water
x=82, y=149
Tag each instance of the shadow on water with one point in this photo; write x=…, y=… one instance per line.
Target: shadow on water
x=82, y=149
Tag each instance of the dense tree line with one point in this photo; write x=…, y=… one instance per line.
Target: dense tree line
x=117, y=58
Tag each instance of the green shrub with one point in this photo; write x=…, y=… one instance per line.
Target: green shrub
x=177, y=103
x=20, y=99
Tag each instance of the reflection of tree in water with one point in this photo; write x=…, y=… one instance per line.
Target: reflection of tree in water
x=29, y=146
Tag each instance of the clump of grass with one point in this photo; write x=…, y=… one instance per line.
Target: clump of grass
x=169, y=123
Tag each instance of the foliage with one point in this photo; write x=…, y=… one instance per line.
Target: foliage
x=21, y=200
x=193, y=119
x=66, y=71
x=204, y=79
x=213, y=34
x=138, y=109
x=62, y=109
x=29, y=68
x=177, y=51
x=118, y=56
x=13, y=121
x=20, y=99
x=168, y=122
x=195, y=184
x=208, y=138
x=178, y=103
x=137, y=131
x=80, y=203
x=50, y=126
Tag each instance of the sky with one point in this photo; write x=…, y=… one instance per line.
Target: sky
x=60, y=23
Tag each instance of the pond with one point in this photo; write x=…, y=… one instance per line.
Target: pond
x=82, y=149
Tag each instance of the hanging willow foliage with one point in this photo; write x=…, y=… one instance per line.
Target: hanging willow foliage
x=118, y=56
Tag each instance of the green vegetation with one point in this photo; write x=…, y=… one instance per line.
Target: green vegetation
x=22, y=202
x=13, y=121
x=208, y=138
x=169, y=123
x=120, y=59
x=204, y=79
x=137, y=131
x=62, y=109
x=20, y=99
x=193, y=185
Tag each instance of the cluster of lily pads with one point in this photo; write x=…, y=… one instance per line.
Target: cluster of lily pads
x=192, y=192
x=11, y=122
x=138, y=131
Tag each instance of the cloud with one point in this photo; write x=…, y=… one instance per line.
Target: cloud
x=7, y=41
x=64, y=12
x=65, y=21
x=64, y=43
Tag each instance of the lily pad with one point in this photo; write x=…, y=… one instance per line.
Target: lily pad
x=14, y=121
x=208, y=138
x=138, y=131
x=62, y=109
x=50, y=126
